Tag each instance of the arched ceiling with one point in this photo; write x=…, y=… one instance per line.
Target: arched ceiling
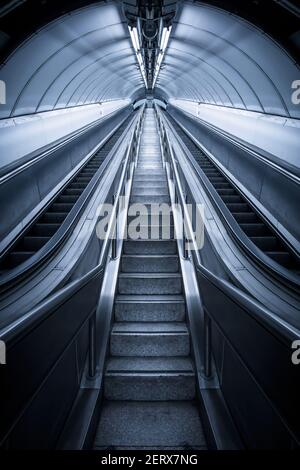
x=86, y=56
x=217, y=58
x=81, y=58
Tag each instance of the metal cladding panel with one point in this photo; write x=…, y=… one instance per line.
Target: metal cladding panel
x=218, y=58
x=55, y=67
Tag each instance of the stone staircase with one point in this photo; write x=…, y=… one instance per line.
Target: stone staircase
x=149, y=385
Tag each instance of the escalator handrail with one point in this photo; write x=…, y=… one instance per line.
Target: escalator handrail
x=42, y=255
x=16, y=330
x=285, y=276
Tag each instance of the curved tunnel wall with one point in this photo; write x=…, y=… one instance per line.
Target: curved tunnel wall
x=213, y=58
x=81, y=58
x=217, y=58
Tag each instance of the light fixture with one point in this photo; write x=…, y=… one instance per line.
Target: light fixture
x=136, y=45
x=163, y=46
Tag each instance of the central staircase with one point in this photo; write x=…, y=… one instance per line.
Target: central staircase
x=149, y=385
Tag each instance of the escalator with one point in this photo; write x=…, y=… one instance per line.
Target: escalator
x=48, y=223
x=249, y=220
x=149, y=350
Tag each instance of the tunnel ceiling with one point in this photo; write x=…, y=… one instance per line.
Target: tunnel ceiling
x=217, y=58
x=81, y=58
x=86, y=56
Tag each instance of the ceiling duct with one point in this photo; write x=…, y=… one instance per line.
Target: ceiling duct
x=150, y=29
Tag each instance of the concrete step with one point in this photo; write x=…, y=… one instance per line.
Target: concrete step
x=150, y=232
x=149, y=159
x=150, y=425
x=149, y=184
x=150, y=339
x=153, y=208
x=149, y=216
x=153, y=247
x=143, y=174
x=149, y=379
x=153, y=167
x=150, y=199
x=150, y=264
x=150, y=283
x=146, y=191
x=148, y=176
x=150, y=308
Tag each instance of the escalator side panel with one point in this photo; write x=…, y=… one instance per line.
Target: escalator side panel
x=50, y=221
x=259, y=178
x=22, y=193
x=249, y=221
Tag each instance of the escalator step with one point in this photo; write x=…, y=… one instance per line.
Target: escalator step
x=226, y=192
x=71, y=199
x=205, y=162
x=72, y=191
x=206, y=165
x=221, y=185
x=282, y=257
x=54, y=217
x=232, y=199
x=255, y=229
x=238, y=207
x=16, y=258
x=88, y=171
x=45, y=230
x=61, y=207
x=76, y=185
x=34, y=243
x=266, y=243
x=245, y=217
x=218, y=179
x=83, y=179
x=211, y=173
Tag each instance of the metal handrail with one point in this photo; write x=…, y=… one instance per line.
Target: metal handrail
x=275, y=325
x=15, y=331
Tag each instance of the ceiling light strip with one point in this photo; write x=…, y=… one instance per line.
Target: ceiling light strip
x=136, y=45
x=163, y=46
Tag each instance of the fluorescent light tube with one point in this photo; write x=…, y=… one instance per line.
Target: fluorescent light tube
x=136, y=45
x=163, y=46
